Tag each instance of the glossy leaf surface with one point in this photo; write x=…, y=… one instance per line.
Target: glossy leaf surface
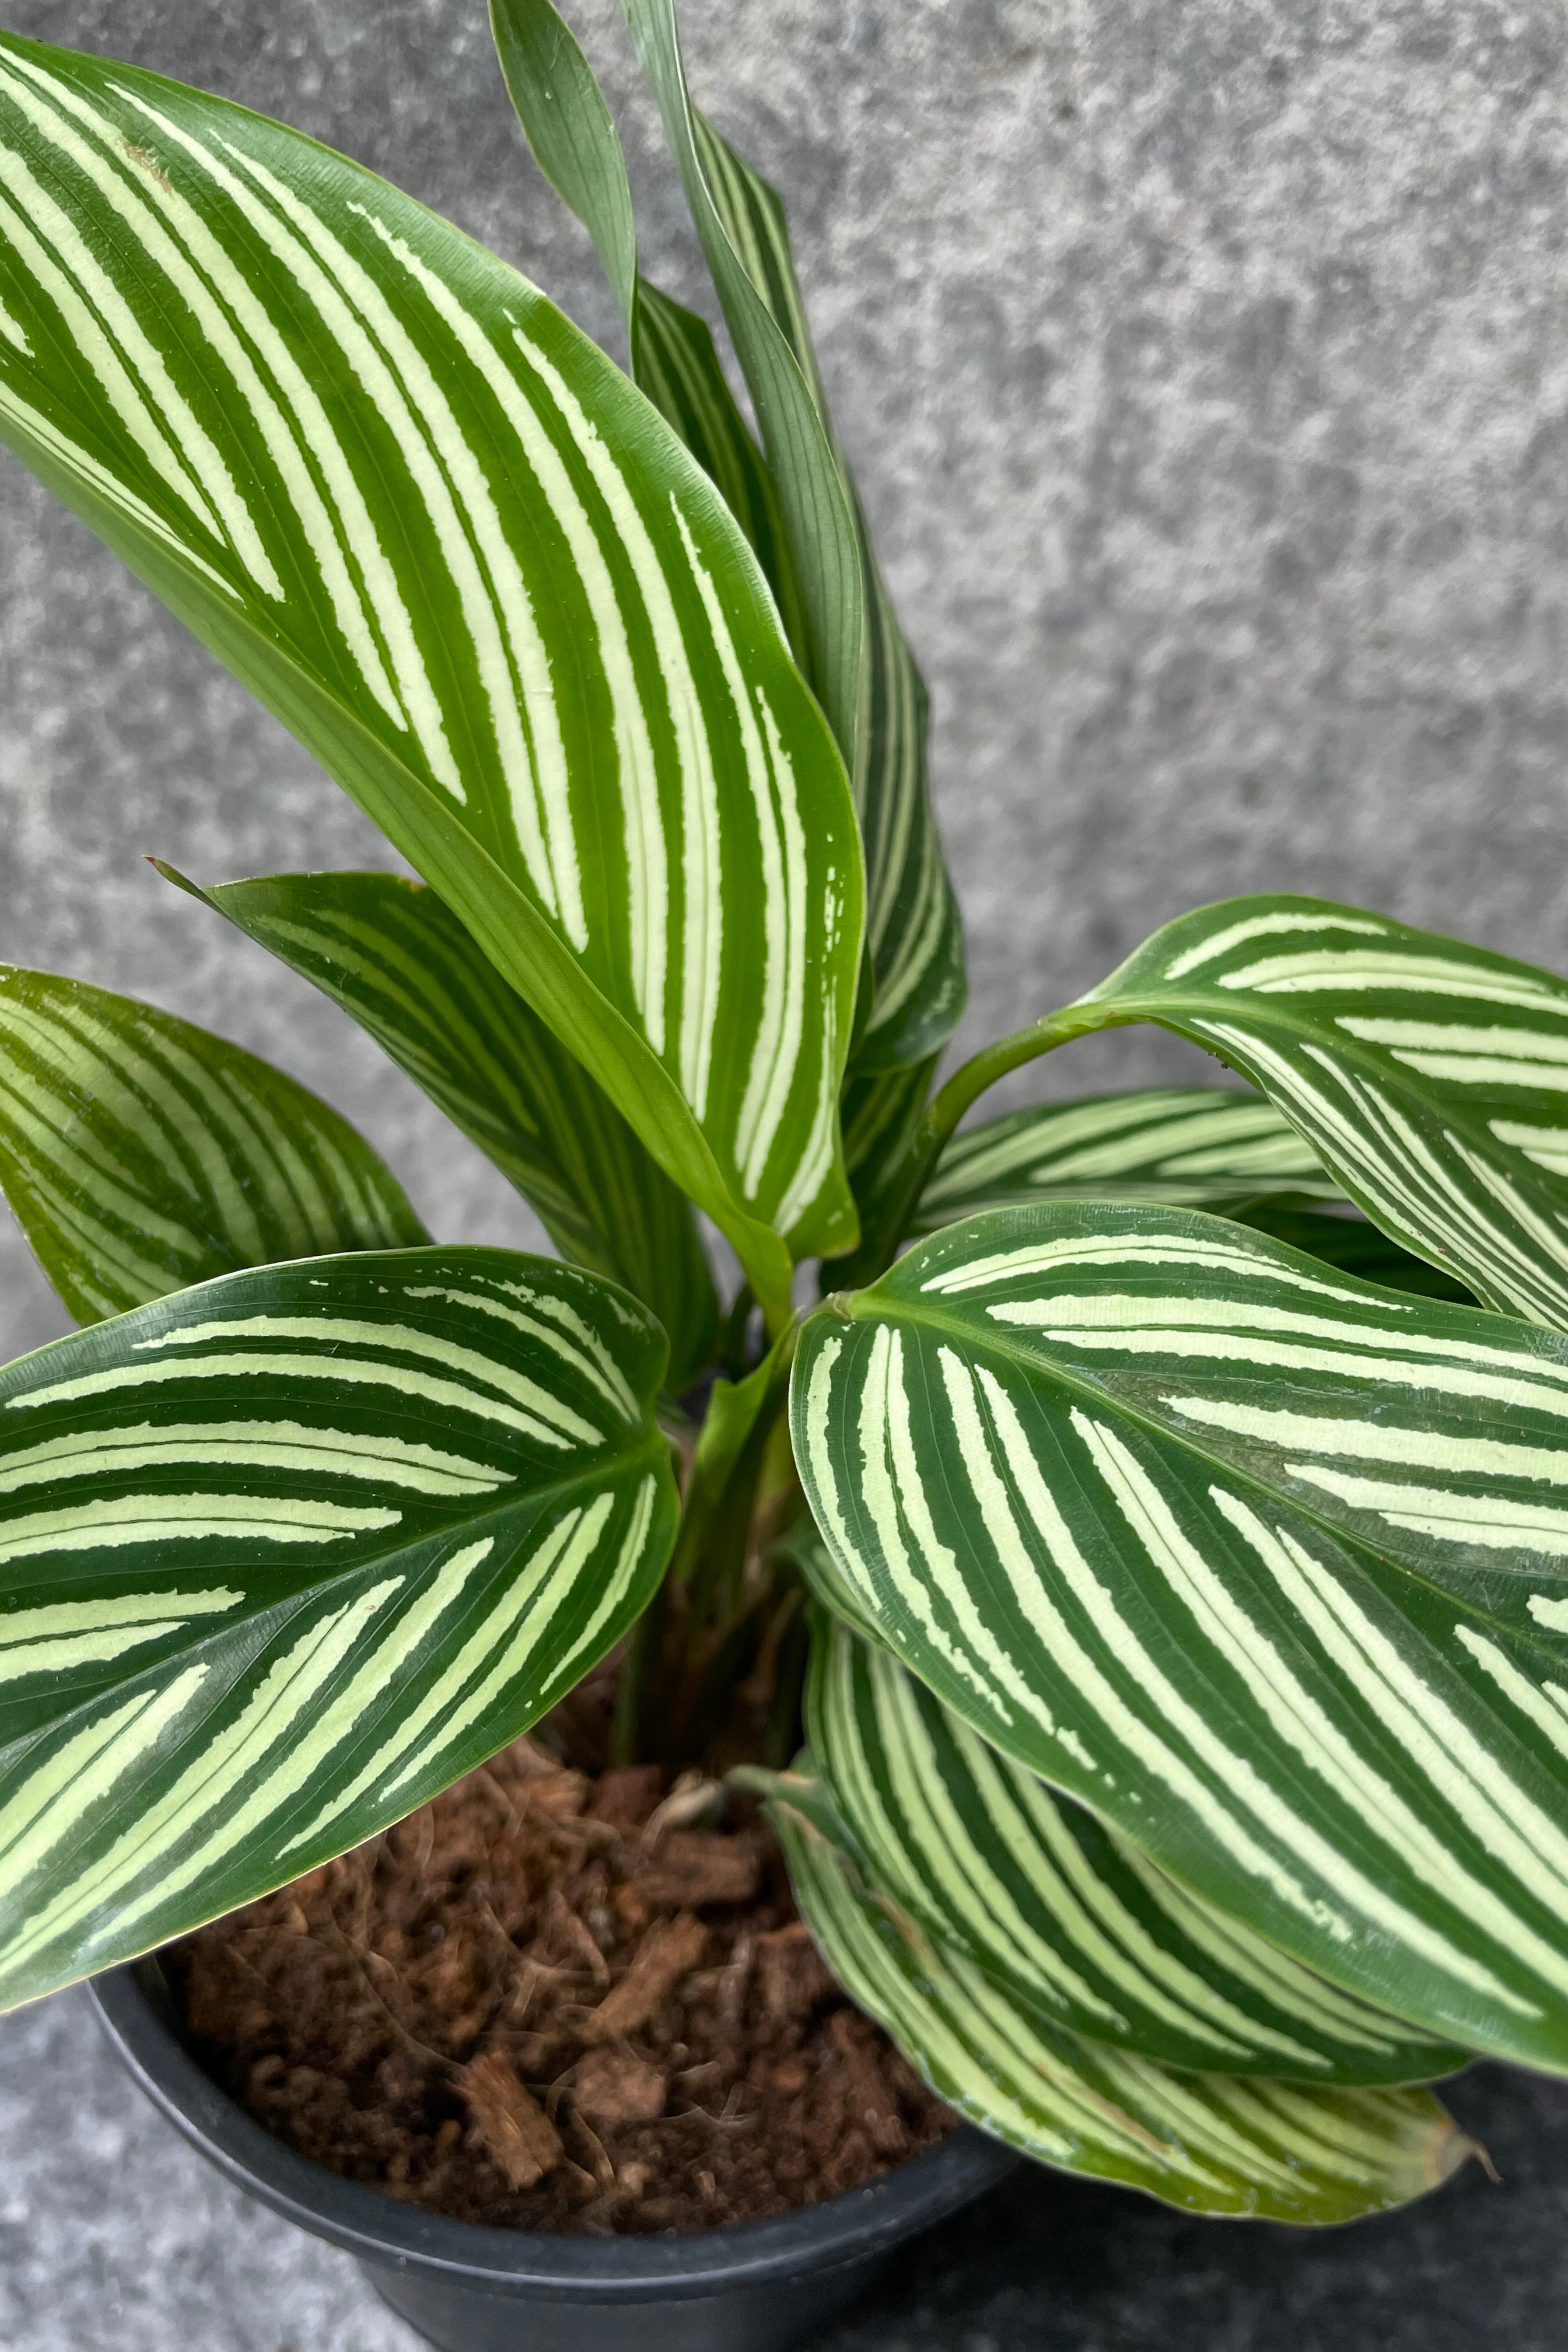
x=1189, y=1147
x=283, y=1555
x=856, y=655
x=574, y=141
x=1210, y=2143
x=1267, y=1566
x=459, y=555
x=140, y=1153
x=396, y=958
x=1069, y=1918
x=1428, y=1077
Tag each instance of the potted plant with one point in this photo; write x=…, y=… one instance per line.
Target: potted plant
x=1152, y=1513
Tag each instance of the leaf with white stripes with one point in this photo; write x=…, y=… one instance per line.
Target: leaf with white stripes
x=1209, y=2143
x=1267, y=1566
x=462, y=558
x=1189, y=1147
x=774, y=357
x=140, y=1153
x=1429, y=1078
x=573, y=135
x=284, y=1555
x=396, y=958
x=1072, y=1920
x=855, y=653
x=1350, y=1241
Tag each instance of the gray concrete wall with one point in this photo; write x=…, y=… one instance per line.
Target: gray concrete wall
x=1206, y=369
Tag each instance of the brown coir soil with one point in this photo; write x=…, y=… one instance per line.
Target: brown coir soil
x=543, y=2002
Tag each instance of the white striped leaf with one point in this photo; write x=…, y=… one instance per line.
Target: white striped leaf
x=394, y=956
x=459, y=555
x=880, y=1114
x=140, y=1153
x=1350, y=1241
x=855, y=653
x=1267, y=1566
x=1069, y=1918
x=1210, y=2143
x=1189, y=1147
x=283, y=1555
x=777, y=365
x=1429, y=1078
x=574, y=141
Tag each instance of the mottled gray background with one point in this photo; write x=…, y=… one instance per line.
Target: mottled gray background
x=1206, y=368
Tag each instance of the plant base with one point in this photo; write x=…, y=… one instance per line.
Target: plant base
x=756, y=2287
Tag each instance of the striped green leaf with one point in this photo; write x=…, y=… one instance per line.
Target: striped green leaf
x=1190, y=1147
x=1267, y=1566
x=879, y=1113
x=456, y=551
x=1352, y=1243
x=284, y=1555
x=914, y=932
x=779, y=375
x=854, y=653
x=1210, y=2143
x=1069, y=1918
x=140, y=1153
x=1429, y=1078
x=396, y=958
x=574, y=141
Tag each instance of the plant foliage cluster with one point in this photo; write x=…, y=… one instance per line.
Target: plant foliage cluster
x=1160, y=1524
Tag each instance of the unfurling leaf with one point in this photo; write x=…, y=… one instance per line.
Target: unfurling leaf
x=1267, y=1567
x=283, y=1555
x=574, y=142
x=140, y=1153
x=855, y=653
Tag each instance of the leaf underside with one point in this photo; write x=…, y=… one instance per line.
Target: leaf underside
x=1426, y=1074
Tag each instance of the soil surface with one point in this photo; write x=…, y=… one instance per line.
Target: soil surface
x=551, y=2002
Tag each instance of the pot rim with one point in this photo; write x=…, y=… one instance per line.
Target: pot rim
x=137, y=2015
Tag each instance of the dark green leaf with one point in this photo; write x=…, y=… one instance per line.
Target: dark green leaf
x=140, y=1153
x=1210, y=2143
x=283, y=1555
x=396, y=958
x=1267, y=1567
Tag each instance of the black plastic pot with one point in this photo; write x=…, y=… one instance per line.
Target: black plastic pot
x=754, y=2286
